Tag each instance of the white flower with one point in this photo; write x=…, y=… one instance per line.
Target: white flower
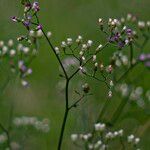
x=19, y=47
x=79, y=39
x=89, y=43
x=69, y=41
x=49, y=34
x=12, y=52
x=26, y=50
x=81, y=53
x=10, y=43
x=111, y=83
x=84, y=47
x=137, y=140
x=24, y=83
x=63, y=44
x=4, y=50
x=130, y=138
x=39, y=33
x=109, y=135
x=57, y=50
x=99, y=47
x=120, y=132
x=94, y=57
x=141, y=24
x=3, y=138
x=100, y=127
x=74, y=137
x=110, y=94
x=1, y=44
x=32, y=33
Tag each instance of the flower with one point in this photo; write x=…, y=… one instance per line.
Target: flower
x=36, y=6
x=39, y=27
x=14, y=19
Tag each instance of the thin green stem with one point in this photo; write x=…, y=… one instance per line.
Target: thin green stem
x=7, y=134
x=65, y=116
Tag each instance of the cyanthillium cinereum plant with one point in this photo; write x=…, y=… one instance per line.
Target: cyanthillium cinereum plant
x=80, y=57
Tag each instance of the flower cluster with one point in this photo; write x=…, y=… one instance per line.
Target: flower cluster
x=102, y=138
x=135, y=94
x=18, y=57
x=119, y=59
x=32, y=122
x=120, y=32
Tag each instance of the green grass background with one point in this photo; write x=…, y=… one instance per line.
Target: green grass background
x=66, y=18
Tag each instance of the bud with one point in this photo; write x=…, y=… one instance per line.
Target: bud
x=74, y=137
x=57, y=50
x=86, y=88
x=101, y=23
x=49, y=34
x=12, y=53
x=69, y=41
x=141, y=24
x=89, y=43
x=10, y=43
x=79, y=39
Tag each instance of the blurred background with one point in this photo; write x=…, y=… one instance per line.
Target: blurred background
x=67, y=18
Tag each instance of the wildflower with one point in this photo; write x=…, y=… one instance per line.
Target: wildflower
x=10, y=43
x=15, y=19
x=24, y=83
x=74, y=137
x=69, y=41
x=39, y=33
x=79, y=39
x=100, y=127
x=141, y=24
x=57, y=50
x=12, y=52
x=63, y=44
x=110, y=94
x=86, y=87
x=99, y=47
x=39, y=27
x=1, y=44
x=94, y=57
x=49, y=34
x=137, y=140
x=89, y=43
x=26, y=50
x=3, y=138
x=36, y=6
x=130, y=138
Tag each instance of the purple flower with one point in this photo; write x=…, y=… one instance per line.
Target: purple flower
x=36, y=6
x=39, y=27
x=121, y=44
x=129, y=31
x=23, y=68
x=26, y=23
x=142, y=57
x=115, y=37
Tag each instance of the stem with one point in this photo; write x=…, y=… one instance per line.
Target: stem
x=50, y=44
x=7, y=134
x=65, y=117
x=131, y=54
